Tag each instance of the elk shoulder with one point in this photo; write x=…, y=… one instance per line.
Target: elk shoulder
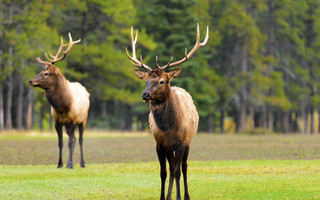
x=187, y=115
x=79, y=106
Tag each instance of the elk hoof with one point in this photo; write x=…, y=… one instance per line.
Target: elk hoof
x=70, y=166
x=60, y=165
x=82, y=165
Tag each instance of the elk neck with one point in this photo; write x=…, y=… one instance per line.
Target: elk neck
x=165, y=112
x=58, y=95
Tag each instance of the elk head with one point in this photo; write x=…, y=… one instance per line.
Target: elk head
x=157, y=80
x=48, y=77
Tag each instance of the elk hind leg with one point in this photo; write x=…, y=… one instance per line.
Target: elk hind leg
x=81, y=128
x=71, y=143
x=184, y=171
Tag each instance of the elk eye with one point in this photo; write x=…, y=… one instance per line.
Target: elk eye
x=46, y=74
x=161, y=82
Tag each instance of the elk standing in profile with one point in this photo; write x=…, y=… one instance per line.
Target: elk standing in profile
x=69, y=101
x=173, y=117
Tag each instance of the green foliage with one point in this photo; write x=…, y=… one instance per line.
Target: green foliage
x=277, y=40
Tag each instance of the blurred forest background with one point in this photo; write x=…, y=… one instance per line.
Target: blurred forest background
x=259, y=71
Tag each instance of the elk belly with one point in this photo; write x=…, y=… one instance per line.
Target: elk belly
x=81, y=103
x=78, y=110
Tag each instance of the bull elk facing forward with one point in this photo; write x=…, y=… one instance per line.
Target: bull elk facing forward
x=69, y=101
x=173, y=117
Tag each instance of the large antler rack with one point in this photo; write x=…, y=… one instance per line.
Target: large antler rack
x=138, y=63
x=134, y=59
x=187, y=56
x=55, y=58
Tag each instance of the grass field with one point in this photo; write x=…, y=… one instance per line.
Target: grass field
x=125, y=167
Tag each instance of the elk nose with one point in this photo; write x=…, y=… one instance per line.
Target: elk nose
x=30, y=82
x=145, y=96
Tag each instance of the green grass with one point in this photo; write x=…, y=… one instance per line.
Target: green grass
x=255, y=179
x=125, y=166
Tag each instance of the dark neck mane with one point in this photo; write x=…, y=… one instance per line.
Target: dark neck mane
x=58, y=95
x=165, y=113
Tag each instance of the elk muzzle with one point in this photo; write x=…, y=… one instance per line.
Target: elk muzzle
x=35, y=81
x=146, y=96
x=31, y=83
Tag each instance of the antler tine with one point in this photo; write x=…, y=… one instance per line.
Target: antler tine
x=134, y=59
x=206, y=38
x=141, y=60
x=71, y=43
x=164, y=67
x=157, y=62
x=57, y=54
x=41, y=61
x=169, y=61
x=55, y=58
x=194, y=49
x=133, y=42
x=131, y=59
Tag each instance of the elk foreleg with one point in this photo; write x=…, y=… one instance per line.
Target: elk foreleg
x=184, y=171
x=81, y=145
x=71, y=144
x=163, y=171
x=58, y=128
x=170, y=158
x=177, y=171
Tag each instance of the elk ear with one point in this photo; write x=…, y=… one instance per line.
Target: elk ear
x=140, y=74
x=174, y=73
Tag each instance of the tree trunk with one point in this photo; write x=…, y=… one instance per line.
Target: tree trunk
x=305, y=124
x=210, y=123
x=9, y=105
x=279, y=120
x=29, y=110
x=237, y=121
x=20, y=106
x=128, y=119
x=1, y=74
x=271, y=52
x=270, y=118
x=318, y=120
x=286, y=122
x=264, y=117
x=251, y=114
x=291, y=122
x=9, y=90
x=9, y=77
x=104, y=108
x=1, y=109
x=312, y=119
x=41, y=117
x=222, y=121
x=310, y=38
x=243, y=95
x=304, y=116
